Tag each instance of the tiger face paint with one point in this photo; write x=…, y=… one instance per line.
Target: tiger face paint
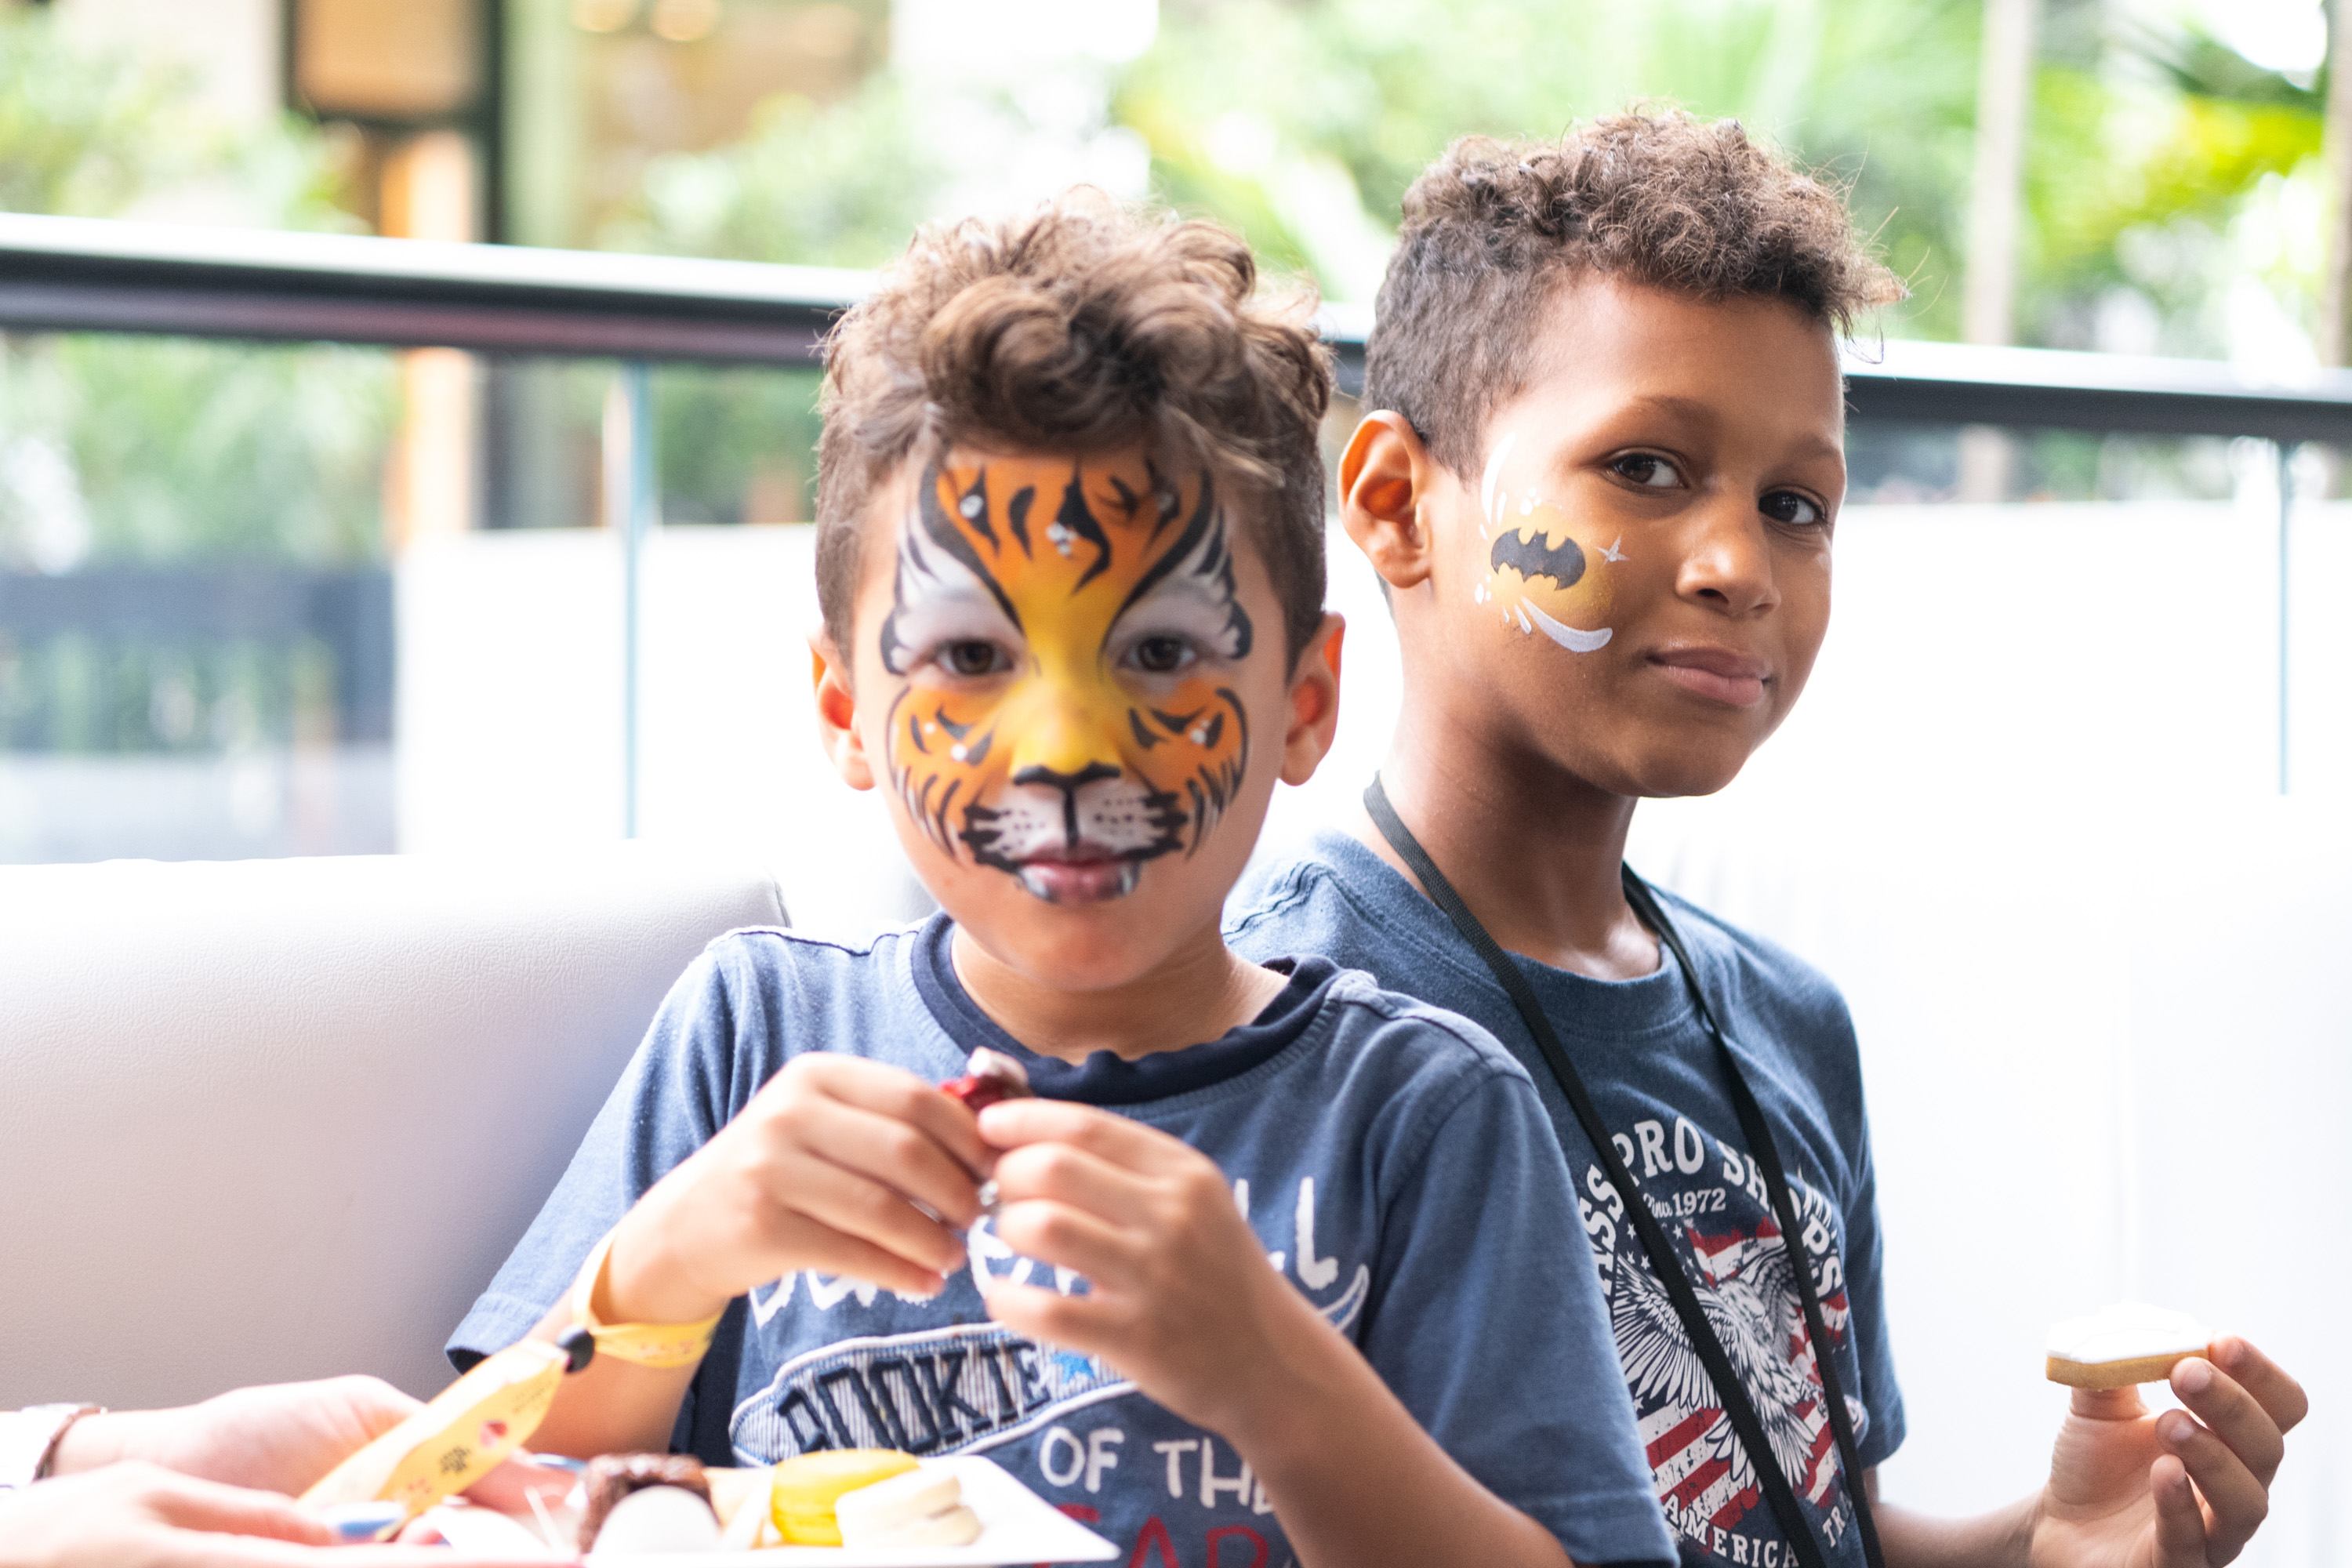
x=1541, y=577
x=1067, y=631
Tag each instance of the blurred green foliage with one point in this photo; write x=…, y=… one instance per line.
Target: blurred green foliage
x=128, y=449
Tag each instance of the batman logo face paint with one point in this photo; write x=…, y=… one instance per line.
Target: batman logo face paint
x=1068, y=633
x=1533, y=556
x=1539, y=577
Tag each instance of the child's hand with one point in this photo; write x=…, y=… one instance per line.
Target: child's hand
x=2120, y=1493
x=1181, y=1297
x=823, y=1170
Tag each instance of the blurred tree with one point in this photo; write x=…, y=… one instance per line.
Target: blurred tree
x=119, y=448
x=840, y=183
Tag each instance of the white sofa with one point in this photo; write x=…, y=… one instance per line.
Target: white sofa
x=283, y=1119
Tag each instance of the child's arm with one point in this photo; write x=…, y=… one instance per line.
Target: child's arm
x=823, y=1170
x=1182, y=1300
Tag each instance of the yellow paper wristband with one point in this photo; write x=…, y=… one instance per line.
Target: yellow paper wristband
x=657, y=1345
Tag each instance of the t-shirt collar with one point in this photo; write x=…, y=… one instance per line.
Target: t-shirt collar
x=1576, y=1004
x=1104, y=1079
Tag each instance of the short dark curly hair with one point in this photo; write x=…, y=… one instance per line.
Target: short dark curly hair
x=1082, y=325
x=1656, y=197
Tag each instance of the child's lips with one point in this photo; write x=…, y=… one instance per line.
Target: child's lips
x=1082, y=874
x=1718, y=674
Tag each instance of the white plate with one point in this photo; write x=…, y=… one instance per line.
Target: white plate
x=1017, y=1526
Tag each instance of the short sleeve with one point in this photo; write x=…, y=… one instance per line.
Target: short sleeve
x=1866, y=1295
x=1489, y=1325
x=670, y=1100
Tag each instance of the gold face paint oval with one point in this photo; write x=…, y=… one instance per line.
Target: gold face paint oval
x=1066, y=631
x=1541, y=577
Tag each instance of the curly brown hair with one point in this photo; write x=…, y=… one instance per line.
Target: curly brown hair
x=1661, y=198
x=1081, y=326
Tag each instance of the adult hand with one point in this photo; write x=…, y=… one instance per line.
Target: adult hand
x=838, y=1163
x=137, y=1515
x=2183, y=1489
x=1179, y=1295
x=278, y=1438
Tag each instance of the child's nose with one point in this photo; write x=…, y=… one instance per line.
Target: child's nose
x=1063, y=739
x=1727, y=559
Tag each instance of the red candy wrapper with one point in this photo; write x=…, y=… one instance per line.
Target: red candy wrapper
x=988, y=1077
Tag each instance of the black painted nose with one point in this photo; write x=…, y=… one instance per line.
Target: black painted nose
x=1069, y=784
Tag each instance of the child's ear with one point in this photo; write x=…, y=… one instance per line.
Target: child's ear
x=1314, y=703
x=1384, y=479
x=836, y=714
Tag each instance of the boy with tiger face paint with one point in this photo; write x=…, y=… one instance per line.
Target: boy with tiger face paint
x=1251, y=1290
x=1067, y=635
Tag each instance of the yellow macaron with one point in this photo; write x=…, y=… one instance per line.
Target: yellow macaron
x=803, y=1491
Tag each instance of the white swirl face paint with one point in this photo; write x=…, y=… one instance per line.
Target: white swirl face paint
x=1540, y=576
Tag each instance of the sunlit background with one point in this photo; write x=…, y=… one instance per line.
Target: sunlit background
x=318, y=599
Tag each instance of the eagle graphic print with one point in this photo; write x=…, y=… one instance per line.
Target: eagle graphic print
x=1711, y=1201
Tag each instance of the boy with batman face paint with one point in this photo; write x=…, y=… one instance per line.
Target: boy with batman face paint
x=1598, y=477
x=1253, y=1290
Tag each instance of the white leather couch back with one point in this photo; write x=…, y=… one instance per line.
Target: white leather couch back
x=284, y=1118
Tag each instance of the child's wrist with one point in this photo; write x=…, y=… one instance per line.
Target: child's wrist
x=1282, y=1393
x=641, y=1284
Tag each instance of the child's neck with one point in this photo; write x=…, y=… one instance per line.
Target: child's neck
x=1203, y=991
x=1534, y=851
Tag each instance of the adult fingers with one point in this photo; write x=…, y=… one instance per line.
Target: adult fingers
x=2179, y=1520
x=2271, y=1388
x=2237, y=1502
x=1068, y=1238
x=898, y=1094
x=2233, y=1413
x=230, y=1551
x=899, y=1155
x=508, y=1488
x=186, y=1503
x=1067, y=1174
x=854, y=1205
x=1013, y=1123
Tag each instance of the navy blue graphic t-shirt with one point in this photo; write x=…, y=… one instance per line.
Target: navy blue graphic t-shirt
x=1394, y=1161
x=1655, y=1075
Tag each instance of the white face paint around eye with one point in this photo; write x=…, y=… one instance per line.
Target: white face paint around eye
x=939, y=600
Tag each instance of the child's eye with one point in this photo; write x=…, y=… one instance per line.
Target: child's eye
x=970, y=659
x=1788, y=507
x=1647, y=469
x=1161, y=655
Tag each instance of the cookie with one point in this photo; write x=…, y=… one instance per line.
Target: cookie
x=2125, y=1344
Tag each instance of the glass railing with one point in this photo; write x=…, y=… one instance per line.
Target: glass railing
x=322, y=544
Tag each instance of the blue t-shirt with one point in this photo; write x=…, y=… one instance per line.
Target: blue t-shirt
x=1392, y=1159
x=1655, y=1076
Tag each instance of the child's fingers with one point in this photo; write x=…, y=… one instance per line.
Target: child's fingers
x=1067, y=1174
x=901, y=1157
x=2180, y=1521
x=1068, y=1237
x=2233, y=1413
x=901, y=1096
x=2236, y=1500
x=857, y=1207
x=1090, y=1325
x=2264, y=1378
x=1012, y=1123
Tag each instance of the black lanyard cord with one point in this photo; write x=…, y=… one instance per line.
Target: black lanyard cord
x=1739, y=1406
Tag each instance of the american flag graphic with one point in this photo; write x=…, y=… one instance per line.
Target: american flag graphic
x=1705, y=1480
